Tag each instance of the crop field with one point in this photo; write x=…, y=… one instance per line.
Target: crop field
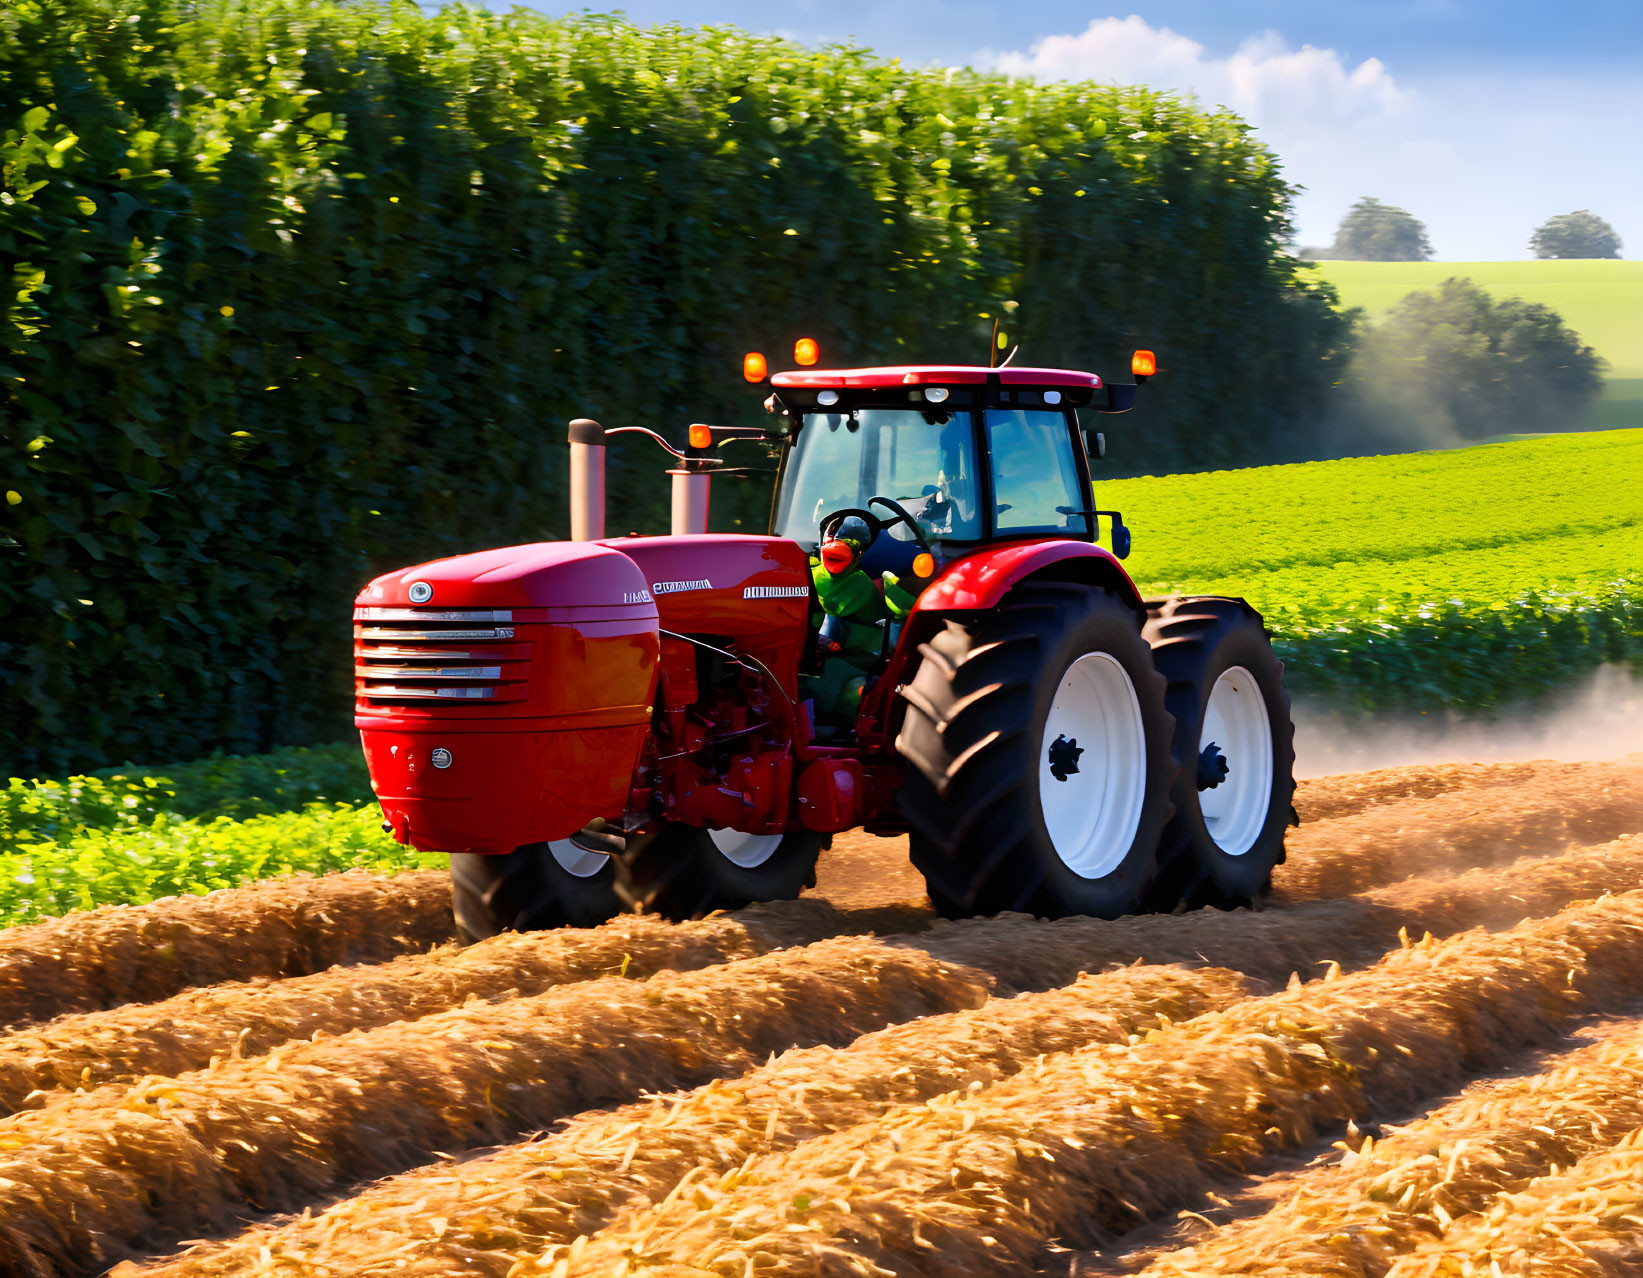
x=1600, y=300
x=1462, y=578
x=1422, y=1057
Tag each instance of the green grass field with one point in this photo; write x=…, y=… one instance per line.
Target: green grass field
x=1459, y=579
x=1600, y=300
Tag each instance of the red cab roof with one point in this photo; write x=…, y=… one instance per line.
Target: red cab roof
x=931, y=375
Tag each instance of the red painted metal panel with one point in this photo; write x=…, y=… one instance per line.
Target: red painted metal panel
x=931, y=374
x=506, y=698
x=980, y=579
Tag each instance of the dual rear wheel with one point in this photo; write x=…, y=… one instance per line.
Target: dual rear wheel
x=1067, y=758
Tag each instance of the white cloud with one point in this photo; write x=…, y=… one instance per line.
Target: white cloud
x=1265, y=81
x=1480, y=159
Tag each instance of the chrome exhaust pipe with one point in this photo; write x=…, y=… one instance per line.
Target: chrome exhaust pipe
x=587, y=480
x=691, y=492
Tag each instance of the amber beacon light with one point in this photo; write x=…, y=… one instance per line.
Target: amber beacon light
x=1143, y=364
x=753, y=367
x=701, y=436
x=806, y=351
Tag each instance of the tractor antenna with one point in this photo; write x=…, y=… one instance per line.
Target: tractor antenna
x=1010, y=356
x=992, y=346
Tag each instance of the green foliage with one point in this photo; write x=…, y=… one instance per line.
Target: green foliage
x=301, y=291
x=37, y=811
x=1457, y=365
x=1459, y=579
x=1376, y=232
x=173, y=856
x=1578, y=234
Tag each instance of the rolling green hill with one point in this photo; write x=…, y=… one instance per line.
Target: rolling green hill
x=1601, y=300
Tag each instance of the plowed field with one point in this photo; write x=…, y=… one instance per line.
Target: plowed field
x=1423, y=1057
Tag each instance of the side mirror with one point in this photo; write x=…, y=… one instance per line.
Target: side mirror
x=1096, y=442
x=1120, y=533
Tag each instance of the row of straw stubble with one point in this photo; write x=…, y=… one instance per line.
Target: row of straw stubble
x=1078, y=1145
x=1084, y=1145
x=187, y=1031
x=541, y=1180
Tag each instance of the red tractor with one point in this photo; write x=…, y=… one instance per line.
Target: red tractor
x=929, y=641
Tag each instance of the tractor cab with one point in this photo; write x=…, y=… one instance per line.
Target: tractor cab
x=890, y=473
x=973, y=455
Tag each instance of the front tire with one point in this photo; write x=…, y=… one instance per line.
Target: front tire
x=685, y=872
x=1039, y=757
x=1234, y=743
x=568, y=882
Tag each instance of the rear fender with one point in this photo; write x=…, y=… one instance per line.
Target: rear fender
x=982, y=579
x=975, y=583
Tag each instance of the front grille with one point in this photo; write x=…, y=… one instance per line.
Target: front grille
x=406, y=654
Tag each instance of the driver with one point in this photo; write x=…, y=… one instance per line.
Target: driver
x=853, y=608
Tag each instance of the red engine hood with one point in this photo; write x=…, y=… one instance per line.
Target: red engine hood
x=544, y=574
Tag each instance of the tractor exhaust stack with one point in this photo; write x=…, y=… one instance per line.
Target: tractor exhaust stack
x=691, y=491
x=587, y=480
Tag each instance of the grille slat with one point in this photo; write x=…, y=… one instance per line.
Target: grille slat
x=400, y=655
x=381, y=653
x=435, y=614
x=388, y=692
x=379, y=632
x=428, y=672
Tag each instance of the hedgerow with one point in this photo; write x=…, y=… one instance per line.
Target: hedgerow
x=172, y=856
x=34, y=811
x=300, y=291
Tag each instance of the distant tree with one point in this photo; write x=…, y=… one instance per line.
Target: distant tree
x=1456, y=365
x=1376, y=232
x=1578, y=234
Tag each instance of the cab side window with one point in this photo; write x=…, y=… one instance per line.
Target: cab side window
x=1034, y=472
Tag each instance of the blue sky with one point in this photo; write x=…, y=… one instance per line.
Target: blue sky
x=1482, y=118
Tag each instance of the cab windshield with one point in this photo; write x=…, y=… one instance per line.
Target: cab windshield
x=923, y=459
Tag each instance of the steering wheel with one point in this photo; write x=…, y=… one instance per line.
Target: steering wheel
x=902, y=517
x=875, y=523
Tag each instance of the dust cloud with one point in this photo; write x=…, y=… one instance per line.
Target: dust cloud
x=1599, y=718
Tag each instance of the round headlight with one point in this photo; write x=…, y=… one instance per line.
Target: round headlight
x=936, y=394
x=827, y=398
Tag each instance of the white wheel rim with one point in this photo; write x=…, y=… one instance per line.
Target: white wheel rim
x=574, y=859
x=746, y=850
x=1236, y=723
x=1095, y=739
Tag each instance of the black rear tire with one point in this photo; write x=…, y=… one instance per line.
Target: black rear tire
x=528, y=889
x=1195, y=640
x=681, y=873
x=973, y=738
